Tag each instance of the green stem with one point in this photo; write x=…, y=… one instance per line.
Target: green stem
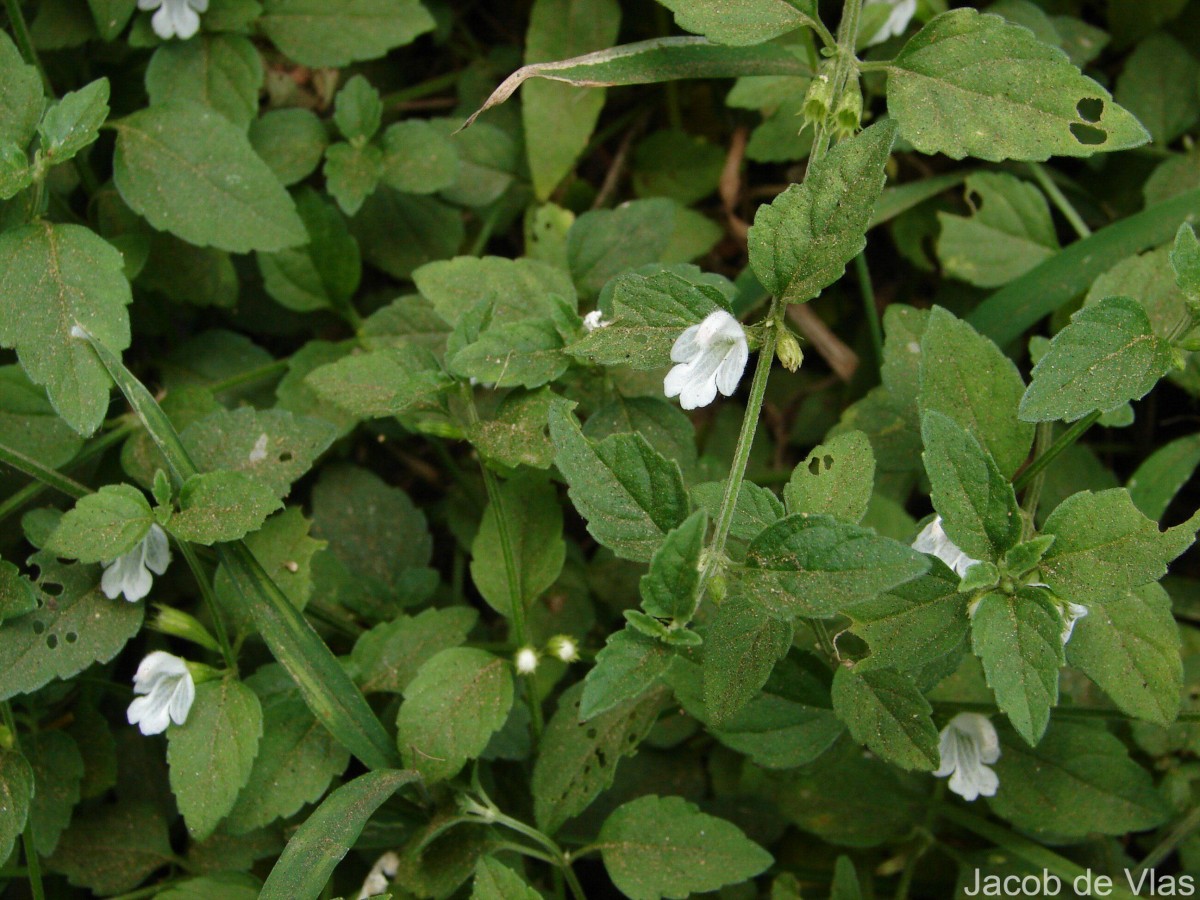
x=869, y=307
x=926, y=840
x=524, y=850
x=210, y=601
x=24, y=41
x=949, y=707
x=1065, y=440
x=823, y=638
x=1059, y=199
x=1029, y=503
x=44, y=474
x=33, y=864
x=1166, y=847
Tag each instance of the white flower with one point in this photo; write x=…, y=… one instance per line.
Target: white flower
x=934, y=541
x=564, y=648
x=1071, y=613
x=968, y=745
x=175, y=18
x=897, y=21
x=527, y=661
x=711, y=357
x=380, y=876
x=130, y=574
x=169, y=690
x=594, y=320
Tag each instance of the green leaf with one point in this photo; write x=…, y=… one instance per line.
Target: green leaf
x=1018, y=639
x=1129, y=645
x=742, y=22
x=533, y=516
x=1009, y=232
x=401, y=232
x=112, y=848
x=357, y=110
x=835, y=480
x=221, y=506
x=103, y=525
x=603, y=243
x=1104, y=546
x=657, y=847
x=380, y=383
x=914, y=623
x=16, y=790
x=272, y=446
x=111, y=17
x=527, y=354
x=53, y=277
x=629, y=665
x=1078, y=781
x=886, y=712
x=190, y=171
x=575, y=761
x=741, y=647
x=1185, y=261
x=20, y=96
x=965, y=376
x=975, y=85
x=817, y=566
x=631, y=495
x=1160, y=84
x=387, y=657
x=845, y=881
x=451, y=709
x=296, y=760
x=496, y=881
x=673, y=163
x=663, y=424
x=648, y=315
x=316, y=848
x=1162, y=474
x=323, y=33
x=352, y=173
x=322, y=274
x=17, y=593
x=558, y=119
x=800, y=242
x=57, y=773
x=516, y=433
x=417, y=158
x=221, y=886
x=74, y=122
x=977, y=504
x=69, y=631
x=220, y=71
x=755, y=508
x=669, y=589
x=291, y=142
x=515, y=289
x=212, y=754
x=1108, y=355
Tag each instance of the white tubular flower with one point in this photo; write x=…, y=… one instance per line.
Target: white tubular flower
x=934, y=541
x=1071, y=613
x=527, y=661
x=968, y=745
x=594, y=320
x=901, y=15
x=169, y=691
x=130, y=574
x=380, y=876
x=175, y=18
x=712, y=356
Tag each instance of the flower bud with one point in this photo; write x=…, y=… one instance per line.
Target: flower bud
x=847, y=119
x=526, y=660
x=818, y=100
x=787, y=349
x=181, y=625
x=563, y=647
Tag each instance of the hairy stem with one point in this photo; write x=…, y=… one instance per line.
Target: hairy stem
x=210, y=601
x=1065, y=440
x=1059, y=199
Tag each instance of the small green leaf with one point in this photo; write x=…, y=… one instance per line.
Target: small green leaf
x=322, y=274
x=977, y=504
x=417, y=158
x=1108, y=355
x=222, y=506
x=526, y=354
x=357, y=110
x=190, y=171
x=741, y=647
x=103, y=525
x=514, y=289
x=1018, y=638
x=975, y=85
x=1185, y=260
x=603, y=243
x=743, y=22
x=801, y=242
x=886, y=712
x=756, y=507
x=629, y=665
x=496, y=881
x=16, y=790
x=380, y=382
x=57, y=774
x=291, y=142
x=387, y=657
x=1022, y=559
x=451, y=709
x=74, y=122
x=656, y=847
x=1161, y=475
x=516, y=435
x=835, y=480
x=20, y=96
x=111, y=848
x=323, y=33
x=17, y=593
x=1159, y=85
x=352, y=173
x=212, y=754
x=914, y=623
x=221, y=71
x=669, y=589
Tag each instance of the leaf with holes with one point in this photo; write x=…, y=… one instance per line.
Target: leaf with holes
x=74, y=626
x=835, y=480
x=975, y=85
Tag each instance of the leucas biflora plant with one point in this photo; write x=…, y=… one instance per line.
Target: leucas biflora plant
x=531, y=574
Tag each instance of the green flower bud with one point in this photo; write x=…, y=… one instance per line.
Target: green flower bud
x=818, y=101
x=787, y=349
x=181, y=625
x=847, y=119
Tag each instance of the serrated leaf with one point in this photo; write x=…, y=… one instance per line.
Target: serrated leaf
x=525, y=354
x=16, y=791
x=533, y=519
x=915, y=622
x=741, y=647
x=1185, y=261
x=1161, y=475
x=74, y=122
x=755, y=508
x=17, y=593
x=53, y=277
x=221, y=71
x=629, y=665
x=669, y=589
x=451, y=709
x=976, y=502
x=656, y=847
x=741, y=22
x=325, y=33
x=515, y=289
x=190, y=171
x=69, y=631
x=1108, y=355
x=322, y=274
x=975, y=85
x=112, y=848
x=388, y=656
x=357, y=110
x=20, y=96
x=103, y=525
x=603, y=243
x=221, y=506
x=29, y=423
x=496, y=881
x=630, y=494
x=800, y=242
x=885, y=711
x=352, y=174
x=57, y=774
x=1160, y=84
x=380, y=383
x=817, y=566
x=965, y=376
x=1018, y=639
x=1104, y=546
x=516, y=434
x=835, y=480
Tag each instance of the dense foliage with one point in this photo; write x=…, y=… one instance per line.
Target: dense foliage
x=399, y=493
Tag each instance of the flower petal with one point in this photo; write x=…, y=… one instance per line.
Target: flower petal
x=729, y=373
x=158, y=554
x=686, y=346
